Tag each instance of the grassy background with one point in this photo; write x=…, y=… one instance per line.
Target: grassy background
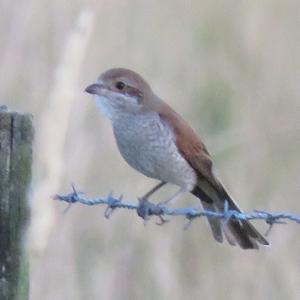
x=231, y=67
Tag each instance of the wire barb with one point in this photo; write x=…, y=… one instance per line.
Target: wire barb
x=145, y=209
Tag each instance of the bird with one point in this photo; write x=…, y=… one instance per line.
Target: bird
x=156, y=141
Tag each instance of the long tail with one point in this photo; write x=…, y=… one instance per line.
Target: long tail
x=239, y=232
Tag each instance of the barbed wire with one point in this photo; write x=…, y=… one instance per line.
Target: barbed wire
x=145, y=209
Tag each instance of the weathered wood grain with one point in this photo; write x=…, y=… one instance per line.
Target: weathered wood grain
x=16, y=135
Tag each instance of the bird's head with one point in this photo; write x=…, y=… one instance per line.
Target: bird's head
x=120, y=91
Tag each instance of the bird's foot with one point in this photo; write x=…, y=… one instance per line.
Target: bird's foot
x=146, y=209
x=162, y=220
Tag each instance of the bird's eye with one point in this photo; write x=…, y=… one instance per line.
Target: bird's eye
x=120, y=85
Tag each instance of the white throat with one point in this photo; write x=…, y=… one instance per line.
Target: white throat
x=103, y=106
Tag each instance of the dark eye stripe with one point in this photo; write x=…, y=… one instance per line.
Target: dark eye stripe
x=131, y=91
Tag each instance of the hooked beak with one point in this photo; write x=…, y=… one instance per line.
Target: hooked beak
x=95, y=89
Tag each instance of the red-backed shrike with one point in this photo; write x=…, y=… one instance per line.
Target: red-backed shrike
x=159, y=143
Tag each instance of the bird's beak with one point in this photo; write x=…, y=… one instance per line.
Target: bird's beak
x=95, y=89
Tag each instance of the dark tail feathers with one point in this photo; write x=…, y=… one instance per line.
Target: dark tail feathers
x=236, y=231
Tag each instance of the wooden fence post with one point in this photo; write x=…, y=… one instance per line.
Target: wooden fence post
x=16, y=135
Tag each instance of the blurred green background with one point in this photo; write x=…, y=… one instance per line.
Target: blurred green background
x=232, y=68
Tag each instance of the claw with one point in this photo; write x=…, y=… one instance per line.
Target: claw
x=162, y=221
x=143, y=209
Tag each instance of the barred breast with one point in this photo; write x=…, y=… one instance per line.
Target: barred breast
x=148, y=145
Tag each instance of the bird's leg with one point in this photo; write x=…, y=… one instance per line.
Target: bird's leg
x=175, y=197
x=153, y=190
x=144, y=200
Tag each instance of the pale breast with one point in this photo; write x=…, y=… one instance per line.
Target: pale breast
x=148, y=145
